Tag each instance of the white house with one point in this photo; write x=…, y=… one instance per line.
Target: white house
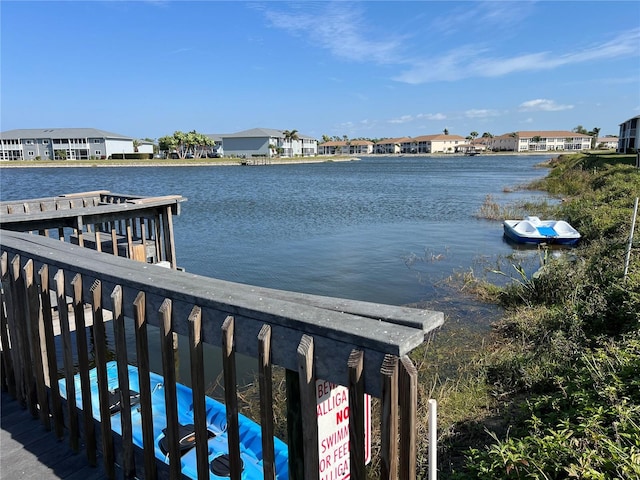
x=62, y=143
x=629, y=141
x=540, y=141
x=348, y=147
x=389, y=145
x=267, y=142
x=607, y=142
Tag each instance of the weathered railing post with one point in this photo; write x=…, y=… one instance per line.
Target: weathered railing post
x=231, y=396
x=356, y=416
x=83, y=370
x=389, y=420
x=197, y=386
x=142, y=354
x=51, y=372
x=67, y=353
x=265, y=380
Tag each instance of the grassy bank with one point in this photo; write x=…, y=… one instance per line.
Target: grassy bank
x=554, y=392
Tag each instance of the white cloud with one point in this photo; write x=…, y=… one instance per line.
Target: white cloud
x=338, y=28
x=542, y=105
x=472, y=61
x=402, y=119
x=420, y=116
x=343, y=29
x=481, y=113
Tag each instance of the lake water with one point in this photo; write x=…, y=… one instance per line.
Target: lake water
x=382, y=229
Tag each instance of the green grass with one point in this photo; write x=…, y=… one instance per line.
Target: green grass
x=554, y=392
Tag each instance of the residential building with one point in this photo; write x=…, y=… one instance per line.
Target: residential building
x=389, y=145
x=267, y=142
x=439, y=143
x=62, y=143
x=607, y=142
x=348, y=147
x=540, y=141
x=629, y=141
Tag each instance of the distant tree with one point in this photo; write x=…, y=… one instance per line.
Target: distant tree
x=536, y=140
x=345, y=138
x=594, y=136
x=167, y=144
x=60, y=154
x=473, y=136
x=487, y=135
x=445, y=131
x=326, y=138
x=290, y=136
x=136, y=144
x=580, y=129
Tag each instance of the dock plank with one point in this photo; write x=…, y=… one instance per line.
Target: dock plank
x=28, y=451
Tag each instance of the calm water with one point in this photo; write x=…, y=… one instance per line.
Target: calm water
x=381, y=229
x=385, y=230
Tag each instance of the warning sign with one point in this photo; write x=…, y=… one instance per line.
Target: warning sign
x=333, y=430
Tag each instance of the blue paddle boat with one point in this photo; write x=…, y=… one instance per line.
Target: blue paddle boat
x=534, y=230
x=250, y=432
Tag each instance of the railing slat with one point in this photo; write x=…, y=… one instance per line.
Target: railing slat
x=5, y=330
x=389, y=420
x=356, y=416
x=308, y=406
x=294, y=426
x=231, y=397
x=265, y=380
x=197, y=386
x=142, y=355
x=21, y=324
x=83, y=370
x=309, y=336
x=169, y=372
x=100, y=348
x=128, y=464
x=52, y=360
x=67, y=357
x=408, y=385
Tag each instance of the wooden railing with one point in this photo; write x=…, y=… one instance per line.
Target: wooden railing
x=360, y=345
x=139, y=228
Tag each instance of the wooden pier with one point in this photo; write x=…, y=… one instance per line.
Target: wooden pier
x=360, y=345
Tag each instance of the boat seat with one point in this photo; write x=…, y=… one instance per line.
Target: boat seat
x=114, y=400
x=547, y=231
x=187, y=436
x=220, y=465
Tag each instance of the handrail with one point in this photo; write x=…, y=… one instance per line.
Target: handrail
x=312, y=337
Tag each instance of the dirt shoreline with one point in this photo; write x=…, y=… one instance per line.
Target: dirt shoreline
x=160, y=163
x=220, y=163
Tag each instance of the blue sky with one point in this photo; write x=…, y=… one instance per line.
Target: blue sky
x=362, y=69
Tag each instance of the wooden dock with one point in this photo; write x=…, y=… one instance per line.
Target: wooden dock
x=27, y=450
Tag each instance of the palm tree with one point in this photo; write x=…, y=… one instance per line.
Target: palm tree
x=536, y=140
x=290, y=136
x=136, y=144
x=594, y=137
